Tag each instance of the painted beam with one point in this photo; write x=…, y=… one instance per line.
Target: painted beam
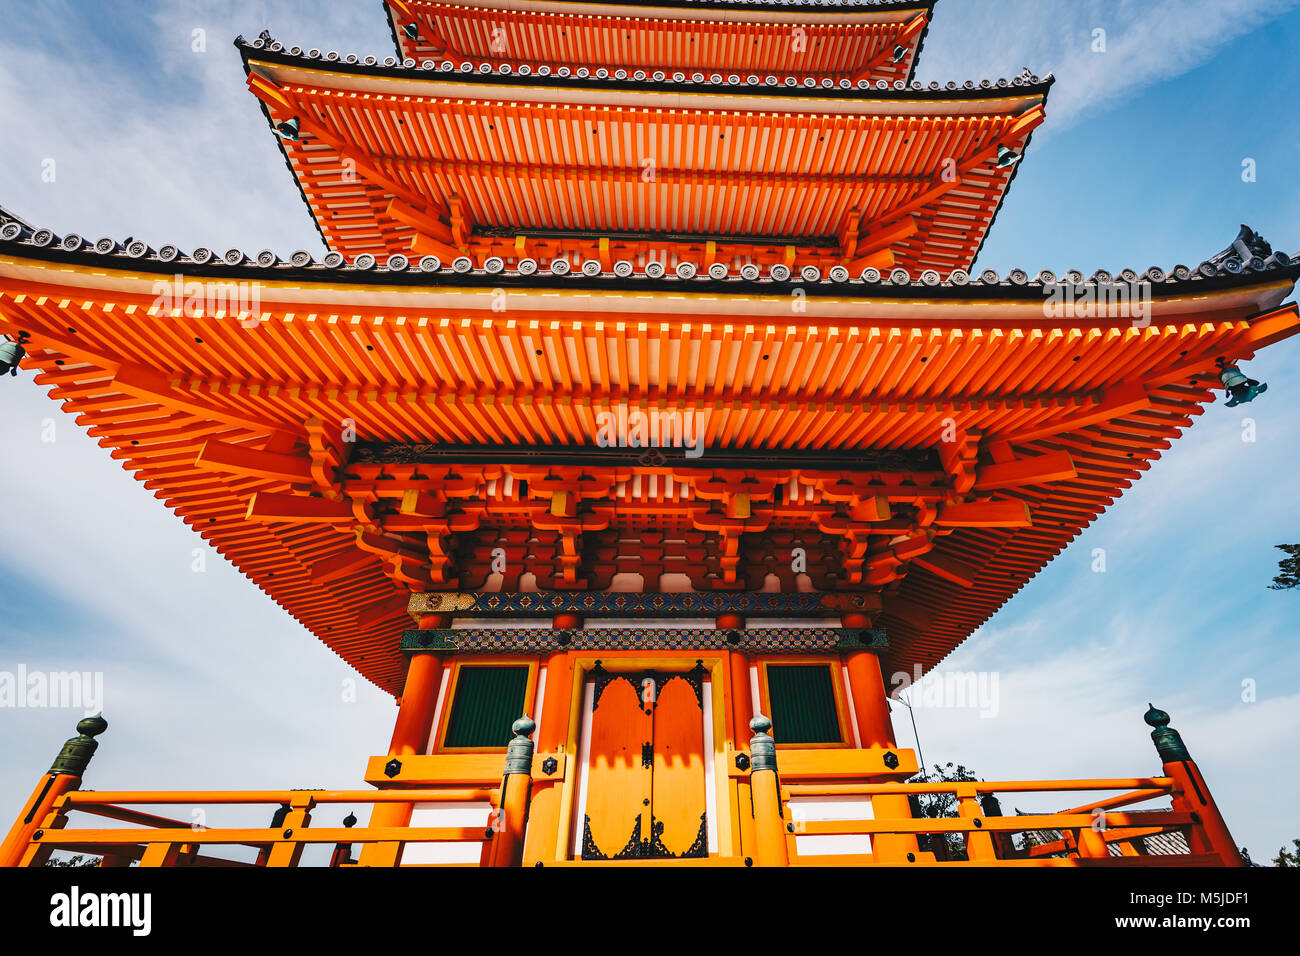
x=245, y=461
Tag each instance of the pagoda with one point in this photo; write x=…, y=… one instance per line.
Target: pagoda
x=643, y=420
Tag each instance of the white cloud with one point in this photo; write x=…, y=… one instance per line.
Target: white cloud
x=1144, y=44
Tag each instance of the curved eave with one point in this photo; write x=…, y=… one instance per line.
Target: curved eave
x=664, y=17
x=240, y=385
x=911, y=97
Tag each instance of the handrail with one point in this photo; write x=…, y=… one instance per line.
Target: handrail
x=263, y=836
x=1161, y=784
x=164, y=841
x=80, y=798
x=1078, y=826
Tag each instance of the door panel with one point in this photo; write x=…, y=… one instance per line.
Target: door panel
x=645, y=786
x=618, y=778
x=677, y=786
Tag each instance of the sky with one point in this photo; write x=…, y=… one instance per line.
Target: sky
x=143, y=112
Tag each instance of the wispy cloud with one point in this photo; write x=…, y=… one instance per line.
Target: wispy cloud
x=1141, y=43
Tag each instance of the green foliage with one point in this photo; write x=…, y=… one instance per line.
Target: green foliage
x=1289, y=568
x=1285, y=858
x=944, y=805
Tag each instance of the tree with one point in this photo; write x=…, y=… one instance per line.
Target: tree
x=1284, y=858
x=75, y=860
x=935, y=805
x=1289, y=568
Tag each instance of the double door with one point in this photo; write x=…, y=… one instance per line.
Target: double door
x=645, y=769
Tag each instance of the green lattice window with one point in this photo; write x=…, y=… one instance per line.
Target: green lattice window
x=488, y=700
x=802, y=698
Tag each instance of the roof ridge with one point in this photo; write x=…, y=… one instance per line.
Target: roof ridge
x=268, y=47
x=16, y=233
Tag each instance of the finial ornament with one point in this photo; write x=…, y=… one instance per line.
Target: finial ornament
x=1169, y=743
x=762, y=748
x=77, y=751
x=523, y=727
x=519, y=752
x=1155, y=717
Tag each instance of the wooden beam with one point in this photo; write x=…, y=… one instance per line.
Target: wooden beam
x=382, y=610
x=949, y=568
x=340, y=566
x=419, y=220
x=249, y=462
x=1114, y=403
x=869, y=246
x=1054, y=466
x=1013, y=513
x=298, y=509
x=156, y=386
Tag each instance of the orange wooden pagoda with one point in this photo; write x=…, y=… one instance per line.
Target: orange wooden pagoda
x=644, y=403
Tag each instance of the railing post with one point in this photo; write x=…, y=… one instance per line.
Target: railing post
x=64, y=774
x=1002, y=843
x=1191, y=795
x=516, y=785
x=342, y=854
x=765, y=789
x=298, y=817
x=1091, y=842
x=979, y=843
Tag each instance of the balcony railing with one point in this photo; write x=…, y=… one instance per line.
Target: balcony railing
x=1103, y=832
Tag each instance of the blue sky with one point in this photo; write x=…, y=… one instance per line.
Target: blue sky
x=209, y=684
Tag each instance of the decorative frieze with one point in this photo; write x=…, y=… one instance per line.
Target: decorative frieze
x=774, y=640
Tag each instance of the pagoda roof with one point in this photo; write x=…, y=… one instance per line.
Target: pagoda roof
x=395, y=160
x=874, y=41
x=823, y=426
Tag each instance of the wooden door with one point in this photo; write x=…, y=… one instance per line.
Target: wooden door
x=645, y=770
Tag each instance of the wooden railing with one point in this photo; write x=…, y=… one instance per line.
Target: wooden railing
x=1080, y=836
x=1087, y=832
x=154, y=840
x=161, y=841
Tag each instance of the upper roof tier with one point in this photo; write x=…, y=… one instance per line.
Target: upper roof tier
x=873, y=41
x=529, y=169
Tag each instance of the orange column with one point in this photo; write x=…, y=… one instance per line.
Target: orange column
x=415, y=712
x=769, y=824
x=516, y=785
x=870, y=703
x=542, y=836
x=742, y=711
x=64, y=774
x=410, y=736
x=871, y=709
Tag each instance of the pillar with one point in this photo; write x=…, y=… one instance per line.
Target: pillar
x=411, y=733
x=769, y=825
x=516, y=786
x=64, y=774
x=542, y=836
x=871, y=709
x=870, y=703
x=742, y=711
